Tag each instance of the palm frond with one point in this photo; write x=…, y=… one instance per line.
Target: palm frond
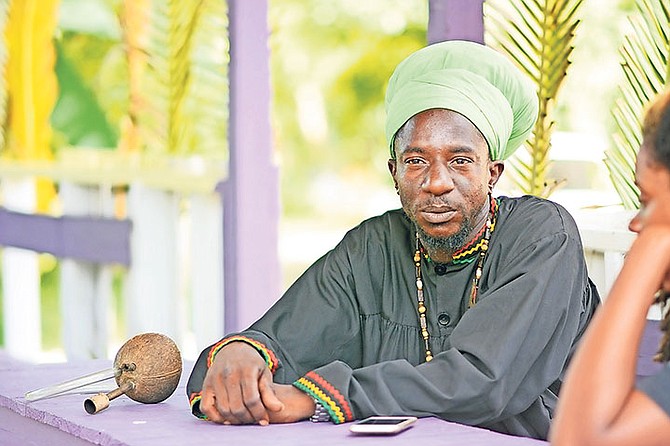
x=624, y=185
x=208, y=99
x=644, y=55
x=538, y=36
x=185, y=54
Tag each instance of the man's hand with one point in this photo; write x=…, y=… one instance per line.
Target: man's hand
x=238, y=388
x=297, y=404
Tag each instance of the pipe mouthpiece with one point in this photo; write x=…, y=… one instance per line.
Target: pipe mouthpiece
x=96, y=403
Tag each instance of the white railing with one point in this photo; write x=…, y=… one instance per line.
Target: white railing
x=174, y=281
x=606, y=240
x=174, y=284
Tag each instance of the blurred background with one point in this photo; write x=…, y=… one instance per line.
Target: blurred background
x=330, y=62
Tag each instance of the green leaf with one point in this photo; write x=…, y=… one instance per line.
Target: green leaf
x=645, y=65
x=538, y=37
x=77, y=115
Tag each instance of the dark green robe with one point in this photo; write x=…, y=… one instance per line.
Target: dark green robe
x=348, y=331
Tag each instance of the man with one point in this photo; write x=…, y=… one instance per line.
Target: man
x=460, y=305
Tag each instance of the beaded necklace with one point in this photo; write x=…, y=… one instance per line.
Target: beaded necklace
x=483, y=247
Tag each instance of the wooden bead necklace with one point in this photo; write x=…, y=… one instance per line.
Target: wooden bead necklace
x=421, y=306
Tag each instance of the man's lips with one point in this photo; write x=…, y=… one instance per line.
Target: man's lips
x=437, y=215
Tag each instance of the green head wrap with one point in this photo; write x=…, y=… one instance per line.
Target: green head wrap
x=470, y=79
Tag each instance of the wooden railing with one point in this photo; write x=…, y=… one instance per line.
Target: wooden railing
x=159, y=219
x=606, y=240
x=167, y=238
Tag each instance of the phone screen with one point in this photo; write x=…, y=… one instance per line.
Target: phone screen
x=382, y=421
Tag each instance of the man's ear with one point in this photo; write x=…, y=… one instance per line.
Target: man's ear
x=496, y=169
x=392, y=165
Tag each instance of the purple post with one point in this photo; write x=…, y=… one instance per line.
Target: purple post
x=251, y=191
x=455, y=19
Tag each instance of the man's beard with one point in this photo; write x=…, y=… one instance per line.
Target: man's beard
x=450, y=243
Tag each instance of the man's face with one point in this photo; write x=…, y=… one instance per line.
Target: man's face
x=443, y=175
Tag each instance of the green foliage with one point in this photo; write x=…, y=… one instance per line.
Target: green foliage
x=207, y=101
x=50, y=303
x=538, y=35
x=185, y=90
x=89, y=109
x=90, y=18
x=357, y=96
x=78, y=114
x=172, y=112
x=645, y=54
x=330, y=62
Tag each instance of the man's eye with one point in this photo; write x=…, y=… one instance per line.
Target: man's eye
x=414, y=161
x=461, y=161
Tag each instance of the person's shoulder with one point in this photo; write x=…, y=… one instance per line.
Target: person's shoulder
x=529, y=203
x=534, y=212
x=535, y=208
x=382, y=232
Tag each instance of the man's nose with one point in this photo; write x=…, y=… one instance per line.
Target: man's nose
x=438, y=180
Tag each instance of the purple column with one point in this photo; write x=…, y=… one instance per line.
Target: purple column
x=251, y=191
x=455, y=19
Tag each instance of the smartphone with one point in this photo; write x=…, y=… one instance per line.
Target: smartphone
x=382, y=425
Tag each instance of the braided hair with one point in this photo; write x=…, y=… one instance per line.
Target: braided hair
x=656, y=131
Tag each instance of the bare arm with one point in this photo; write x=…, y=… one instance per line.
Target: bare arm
x=599, y=404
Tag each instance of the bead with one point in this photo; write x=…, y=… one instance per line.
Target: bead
x=482, y=246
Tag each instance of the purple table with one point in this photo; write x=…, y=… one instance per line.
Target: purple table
x=61, y=420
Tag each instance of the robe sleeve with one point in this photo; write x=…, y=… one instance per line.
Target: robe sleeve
x=505, y=351
x=314, y=322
